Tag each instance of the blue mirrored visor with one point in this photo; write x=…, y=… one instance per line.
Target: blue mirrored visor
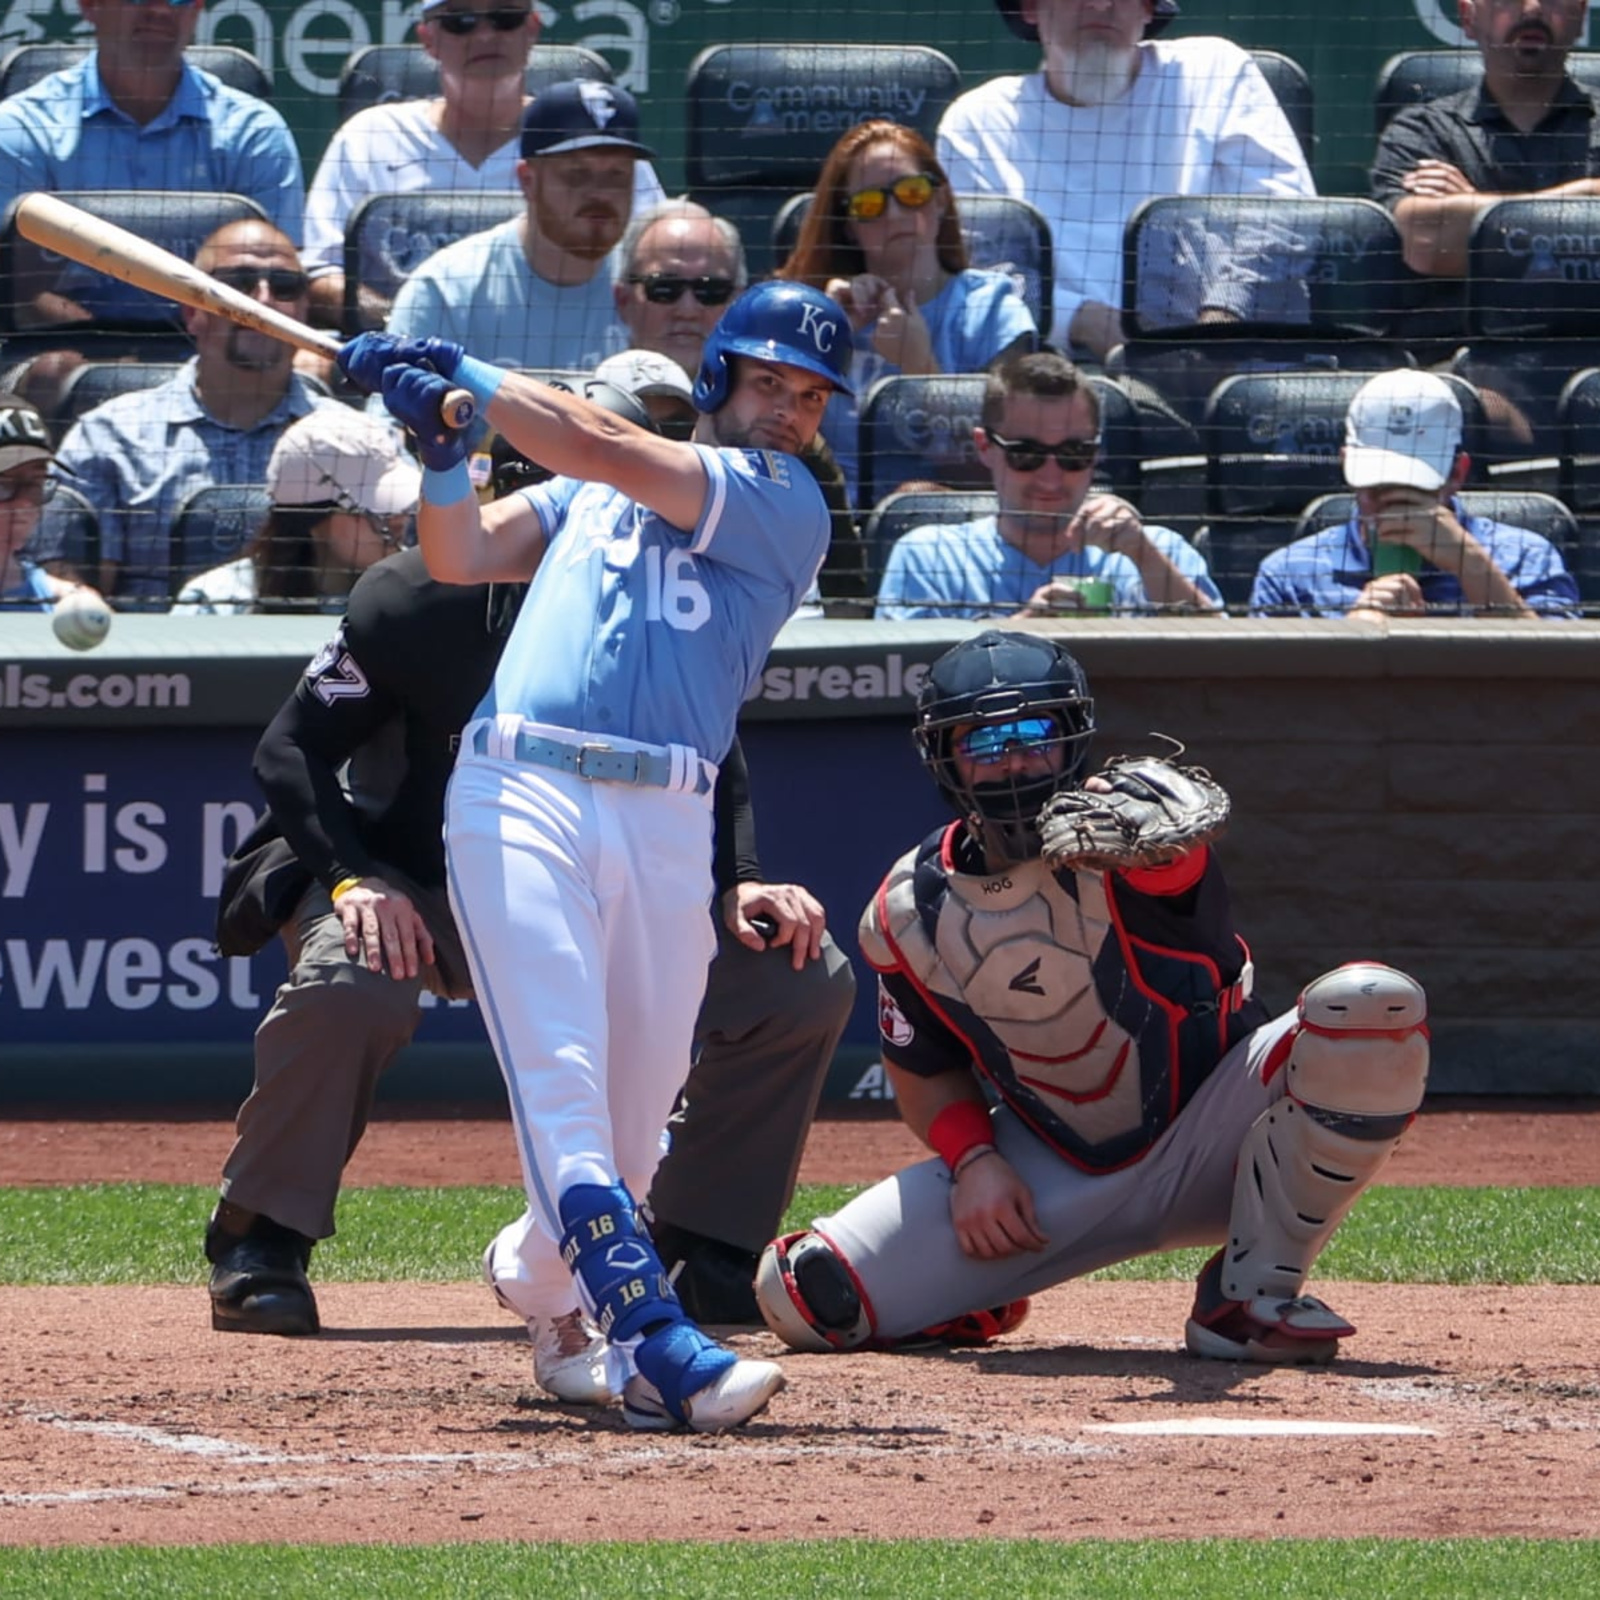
x=992, y=741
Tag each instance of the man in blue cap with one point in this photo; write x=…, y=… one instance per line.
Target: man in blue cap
x=535, y=291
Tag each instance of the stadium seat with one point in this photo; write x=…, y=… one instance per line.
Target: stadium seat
x=95, y=382
x=1578, y=412
x=897, y=514
x=1539, y=513
x=1322, y=277
x=79, y=527
x=390, y=235
x=1533, y=310
x=379, y=73
x=178, y=221
x=1001, y=233
x=1415, y=76
x=761, y=119
x=28, y=63
x=1292, y=88
x=213, y=526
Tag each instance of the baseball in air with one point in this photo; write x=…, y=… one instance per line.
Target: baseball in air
x=81, y=619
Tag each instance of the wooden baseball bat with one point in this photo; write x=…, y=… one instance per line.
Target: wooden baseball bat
x=88, y=239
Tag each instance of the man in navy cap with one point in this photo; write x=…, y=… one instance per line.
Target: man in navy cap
x=535, y=291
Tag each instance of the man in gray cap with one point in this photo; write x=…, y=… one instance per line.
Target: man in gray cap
x=1113, y=116
x=535, y=291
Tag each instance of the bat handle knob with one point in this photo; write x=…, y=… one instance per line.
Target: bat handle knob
x=458, y=409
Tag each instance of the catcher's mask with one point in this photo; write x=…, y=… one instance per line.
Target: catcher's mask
x=1009, y=685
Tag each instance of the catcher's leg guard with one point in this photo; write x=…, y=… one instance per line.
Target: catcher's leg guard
x=809, y=1297
x=1355, y=1075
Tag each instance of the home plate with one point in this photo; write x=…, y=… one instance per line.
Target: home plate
x=1265, y=1428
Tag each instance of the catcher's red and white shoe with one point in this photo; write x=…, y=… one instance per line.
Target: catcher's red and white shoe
x=1285, y=1333
x=971, y=1329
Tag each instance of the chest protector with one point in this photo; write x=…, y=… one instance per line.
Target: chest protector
x=1094, y=1011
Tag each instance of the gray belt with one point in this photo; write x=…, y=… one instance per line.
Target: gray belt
x=597, y=763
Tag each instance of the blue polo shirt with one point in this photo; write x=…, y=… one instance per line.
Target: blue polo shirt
x=1323, y=574
x=64, y=133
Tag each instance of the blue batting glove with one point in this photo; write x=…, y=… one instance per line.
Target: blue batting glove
x=415, y=396
x=366, y=358
x=443, y=355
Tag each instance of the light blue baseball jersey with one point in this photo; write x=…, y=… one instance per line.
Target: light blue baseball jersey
x=637, y=629
x=65, y=133
x=967, y=570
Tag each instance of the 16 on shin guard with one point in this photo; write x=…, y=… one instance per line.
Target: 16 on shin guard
x=620, y=1278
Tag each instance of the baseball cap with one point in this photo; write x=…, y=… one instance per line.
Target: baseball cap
x=1402, y=428
x=23, y=435
x=641, y=372
x=338, y=455
x=581, y=115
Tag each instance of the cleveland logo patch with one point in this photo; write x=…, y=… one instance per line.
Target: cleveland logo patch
x=893, y=1023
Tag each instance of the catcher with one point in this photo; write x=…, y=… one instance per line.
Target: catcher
x=1067, y=1022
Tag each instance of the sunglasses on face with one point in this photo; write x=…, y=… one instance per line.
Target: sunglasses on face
x=991, y=742
x=283, y=283
x=913, y=192
x=504, y=19
x=667, y=288
x=37, y=490
x=1028, y=455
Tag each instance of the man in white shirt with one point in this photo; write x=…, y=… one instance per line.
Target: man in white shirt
x=536, y=291
x=466, y=138
x=1114, y=117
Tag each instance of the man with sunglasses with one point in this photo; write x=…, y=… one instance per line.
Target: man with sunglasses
x=138, y=457
x=1051, y=548
x=467, y=138
x=536, y=291
x=1114, y=115
x=1080, y=1048
x=133, y=114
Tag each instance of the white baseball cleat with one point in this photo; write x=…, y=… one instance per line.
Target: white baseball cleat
x=726, y=1402
x=569, y=1359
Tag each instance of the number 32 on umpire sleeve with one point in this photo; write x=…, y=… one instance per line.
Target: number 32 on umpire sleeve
x=672, y=592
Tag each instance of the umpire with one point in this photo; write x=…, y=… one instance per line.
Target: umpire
x=350, y=870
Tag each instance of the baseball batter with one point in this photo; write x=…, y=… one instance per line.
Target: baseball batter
x=578, y=817
x=1072, y=957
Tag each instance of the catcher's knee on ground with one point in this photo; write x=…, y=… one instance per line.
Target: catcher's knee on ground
x=809, y=1297
x=1355, y=1073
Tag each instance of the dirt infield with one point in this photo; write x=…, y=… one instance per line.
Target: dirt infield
x=413, y=1417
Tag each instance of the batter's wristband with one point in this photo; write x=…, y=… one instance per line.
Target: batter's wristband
x=481, y=379
x=447, y=487
x=959, y=1128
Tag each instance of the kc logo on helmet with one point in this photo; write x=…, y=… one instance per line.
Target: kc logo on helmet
x=821, y=330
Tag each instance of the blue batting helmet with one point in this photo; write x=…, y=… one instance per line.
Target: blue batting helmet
x=1161, y=13
x=790, y=323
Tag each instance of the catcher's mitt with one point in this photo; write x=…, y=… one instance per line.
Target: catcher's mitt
x=1155, y=813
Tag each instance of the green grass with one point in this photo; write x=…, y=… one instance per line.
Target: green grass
x=1282, y=1570
x=150, y=1233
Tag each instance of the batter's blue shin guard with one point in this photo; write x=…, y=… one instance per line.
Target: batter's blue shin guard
x=618, y=1273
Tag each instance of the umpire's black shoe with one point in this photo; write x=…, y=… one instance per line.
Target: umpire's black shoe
x=258, y=1274
x=715, y=1281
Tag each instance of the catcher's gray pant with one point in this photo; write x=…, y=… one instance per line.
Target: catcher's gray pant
x=899, y=1242
x=335, y=1027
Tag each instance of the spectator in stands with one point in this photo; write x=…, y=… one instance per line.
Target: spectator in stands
x=1113, y=117
x=342, y=497
x=135, y=115
x=678, y=268
x=138, y=457
x=883, y=238
x=1411, y=548
x=468, y=137
x=658, y=383
x=1052, y=549
x=1526, y=129
x=25, y=485
x=536, y=291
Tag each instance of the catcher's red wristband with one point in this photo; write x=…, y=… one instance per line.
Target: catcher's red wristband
x=957, y=1129
x=1173, y=877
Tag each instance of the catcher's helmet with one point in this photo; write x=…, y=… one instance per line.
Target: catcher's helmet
x=790, y=323
x=510, y=470
x=1000, y=677
x=1161, y=13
